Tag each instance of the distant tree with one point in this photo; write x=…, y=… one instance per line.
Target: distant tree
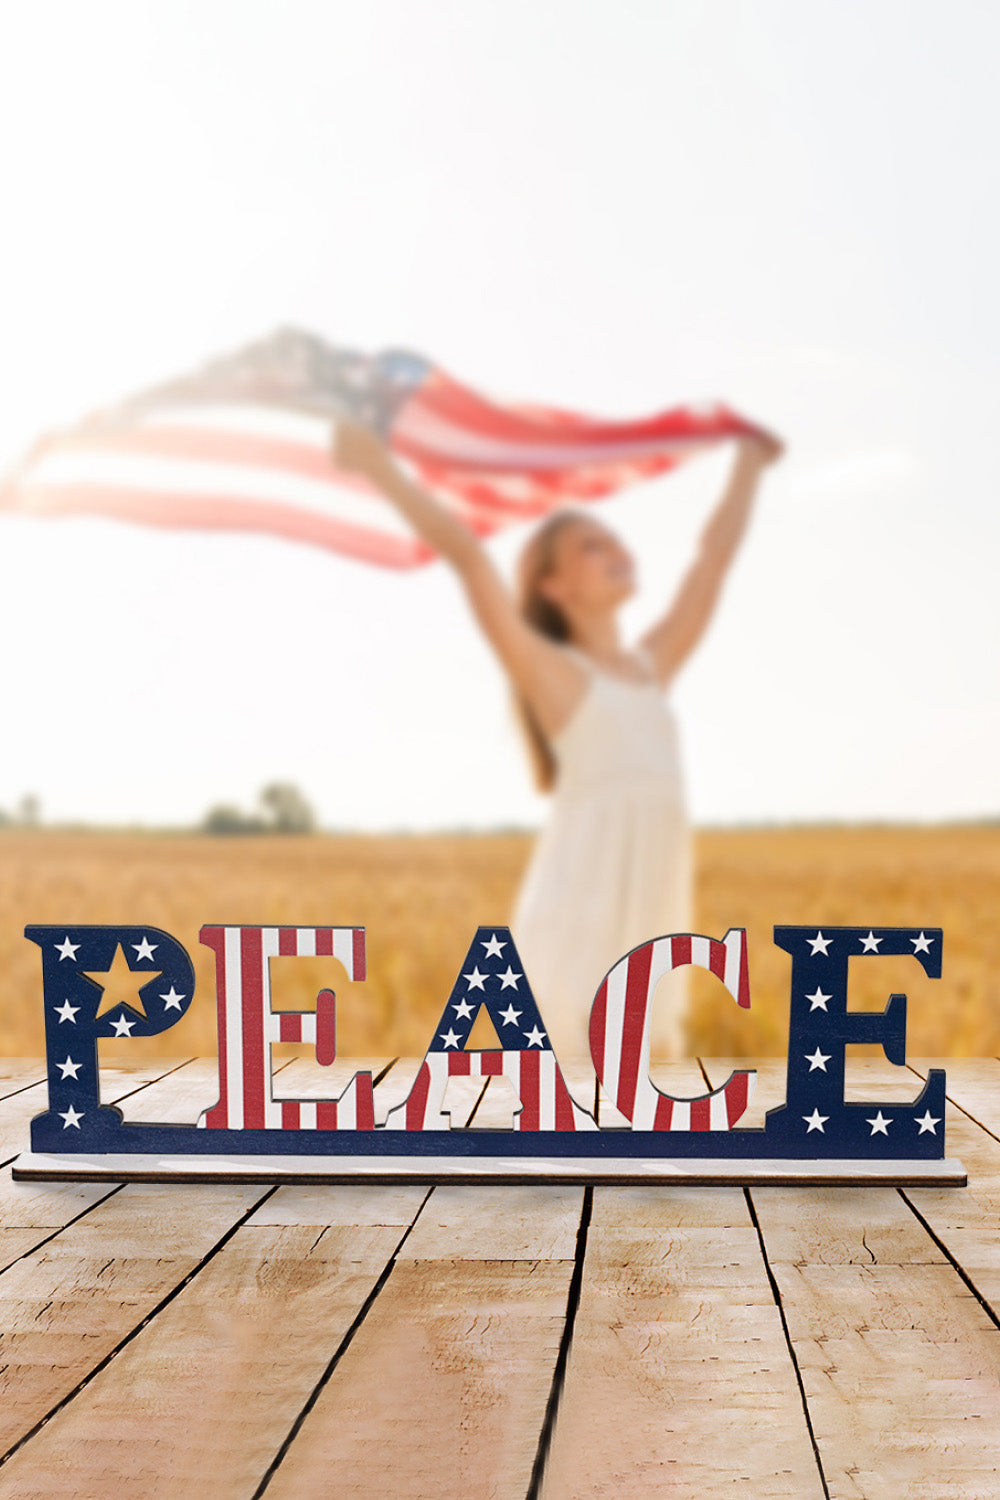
x=282, y=809
x=224, y=818
x=29, y=811
x=286, y=809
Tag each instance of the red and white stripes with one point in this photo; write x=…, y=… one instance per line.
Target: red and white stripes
x=536, y=1076
x=619, y=1036
x=247, y=1027
x=210, y=458
x=619, y=1032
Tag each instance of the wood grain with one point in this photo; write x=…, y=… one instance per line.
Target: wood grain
x=16, y=1072
x=271, y=1307
x=67, y=1304
x=678, y=1379
x=423, y=1339
x=900, y=1365
x=29, y=1212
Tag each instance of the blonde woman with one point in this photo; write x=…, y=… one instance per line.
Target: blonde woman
x=612, y=866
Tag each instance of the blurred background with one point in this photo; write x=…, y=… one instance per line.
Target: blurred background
x=606, y=206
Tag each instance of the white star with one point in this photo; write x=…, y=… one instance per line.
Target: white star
x=510, y=1015
x=494, y=946
x=171, y=1000
x=534, y=1037
x=816, y=1121
x=928, y=1123
x=450, y=1038
x=71, y=1117
x=476, y=979
x=67, y=949
x=818, y=1060
x=921, y=944
x=870, y=943
x=819, y=944
x=463, y=1010
x=143, y=949
x=122, y=1027
x=880, y=1124
x=817, y=1000
x=69, y=1068
x=66, y=1012
x=509, y=980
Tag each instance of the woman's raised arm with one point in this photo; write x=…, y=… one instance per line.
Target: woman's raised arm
x=548, y=678
x=672, y=639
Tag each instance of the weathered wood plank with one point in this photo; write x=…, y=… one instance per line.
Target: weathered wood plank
x=679, y=1380
x=443, y=1392
x=272, y=1307
x=67, y=1304
x=900, y=1365
x=178, y=1098
x=29, y=1212
x=17, y=1072
x=678, y=1336
x=967, y=1221
x=973, y=1083
x=507, y=1223
x=202, y=1399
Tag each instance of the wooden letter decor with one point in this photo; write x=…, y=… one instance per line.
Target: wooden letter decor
x=138, y=981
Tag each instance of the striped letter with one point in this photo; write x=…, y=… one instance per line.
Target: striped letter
x=248, y=1027
x=619, y=1032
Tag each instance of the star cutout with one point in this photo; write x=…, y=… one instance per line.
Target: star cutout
x=818, y=1060
x=463, y=1010
x=534, y=1037
x=509, y=1016
x=71, y=1117
x=476, y=979
x=819, y=944
x=509, y=980
x=880, y=1124
x=67, y=949
x=143, y=950
x=816, y=1121
x=817, y=1000
x=66, y=1012
x=122, y=1027
x=494, y=946
x=928, y=1122
x=69, y=1068
x=121, y=984
x=450, y=1038
x=171, y=1000
x=870, y=943
x=921, y=944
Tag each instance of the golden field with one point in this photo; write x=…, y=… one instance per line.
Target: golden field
x=420, y=898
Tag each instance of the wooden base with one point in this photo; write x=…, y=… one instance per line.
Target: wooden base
x=707, y=1171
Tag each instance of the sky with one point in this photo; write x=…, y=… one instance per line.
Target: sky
x=613, y=205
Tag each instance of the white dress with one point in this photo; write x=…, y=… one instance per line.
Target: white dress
x=613, y=866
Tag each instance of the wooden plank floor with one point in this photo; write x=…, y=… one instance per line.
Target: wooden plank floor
x=472, y=1342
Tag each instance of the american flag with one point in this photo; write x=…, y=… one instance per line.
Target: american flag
x=244, y=444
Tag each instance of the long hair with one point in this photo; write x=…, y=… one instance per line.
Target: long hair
x=536, y=562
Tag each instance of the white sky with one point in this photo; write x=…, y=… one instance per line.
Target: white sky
x=609, y=205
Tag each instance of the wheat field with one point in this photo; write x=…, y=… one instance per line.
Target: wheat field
x=420, y=898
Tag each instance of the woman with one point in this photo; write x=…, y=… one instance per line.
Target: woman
x=613, y=866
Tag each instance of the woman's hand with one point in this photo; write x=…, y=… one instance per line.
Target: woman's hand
x=359, y=450
x=761, y=448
